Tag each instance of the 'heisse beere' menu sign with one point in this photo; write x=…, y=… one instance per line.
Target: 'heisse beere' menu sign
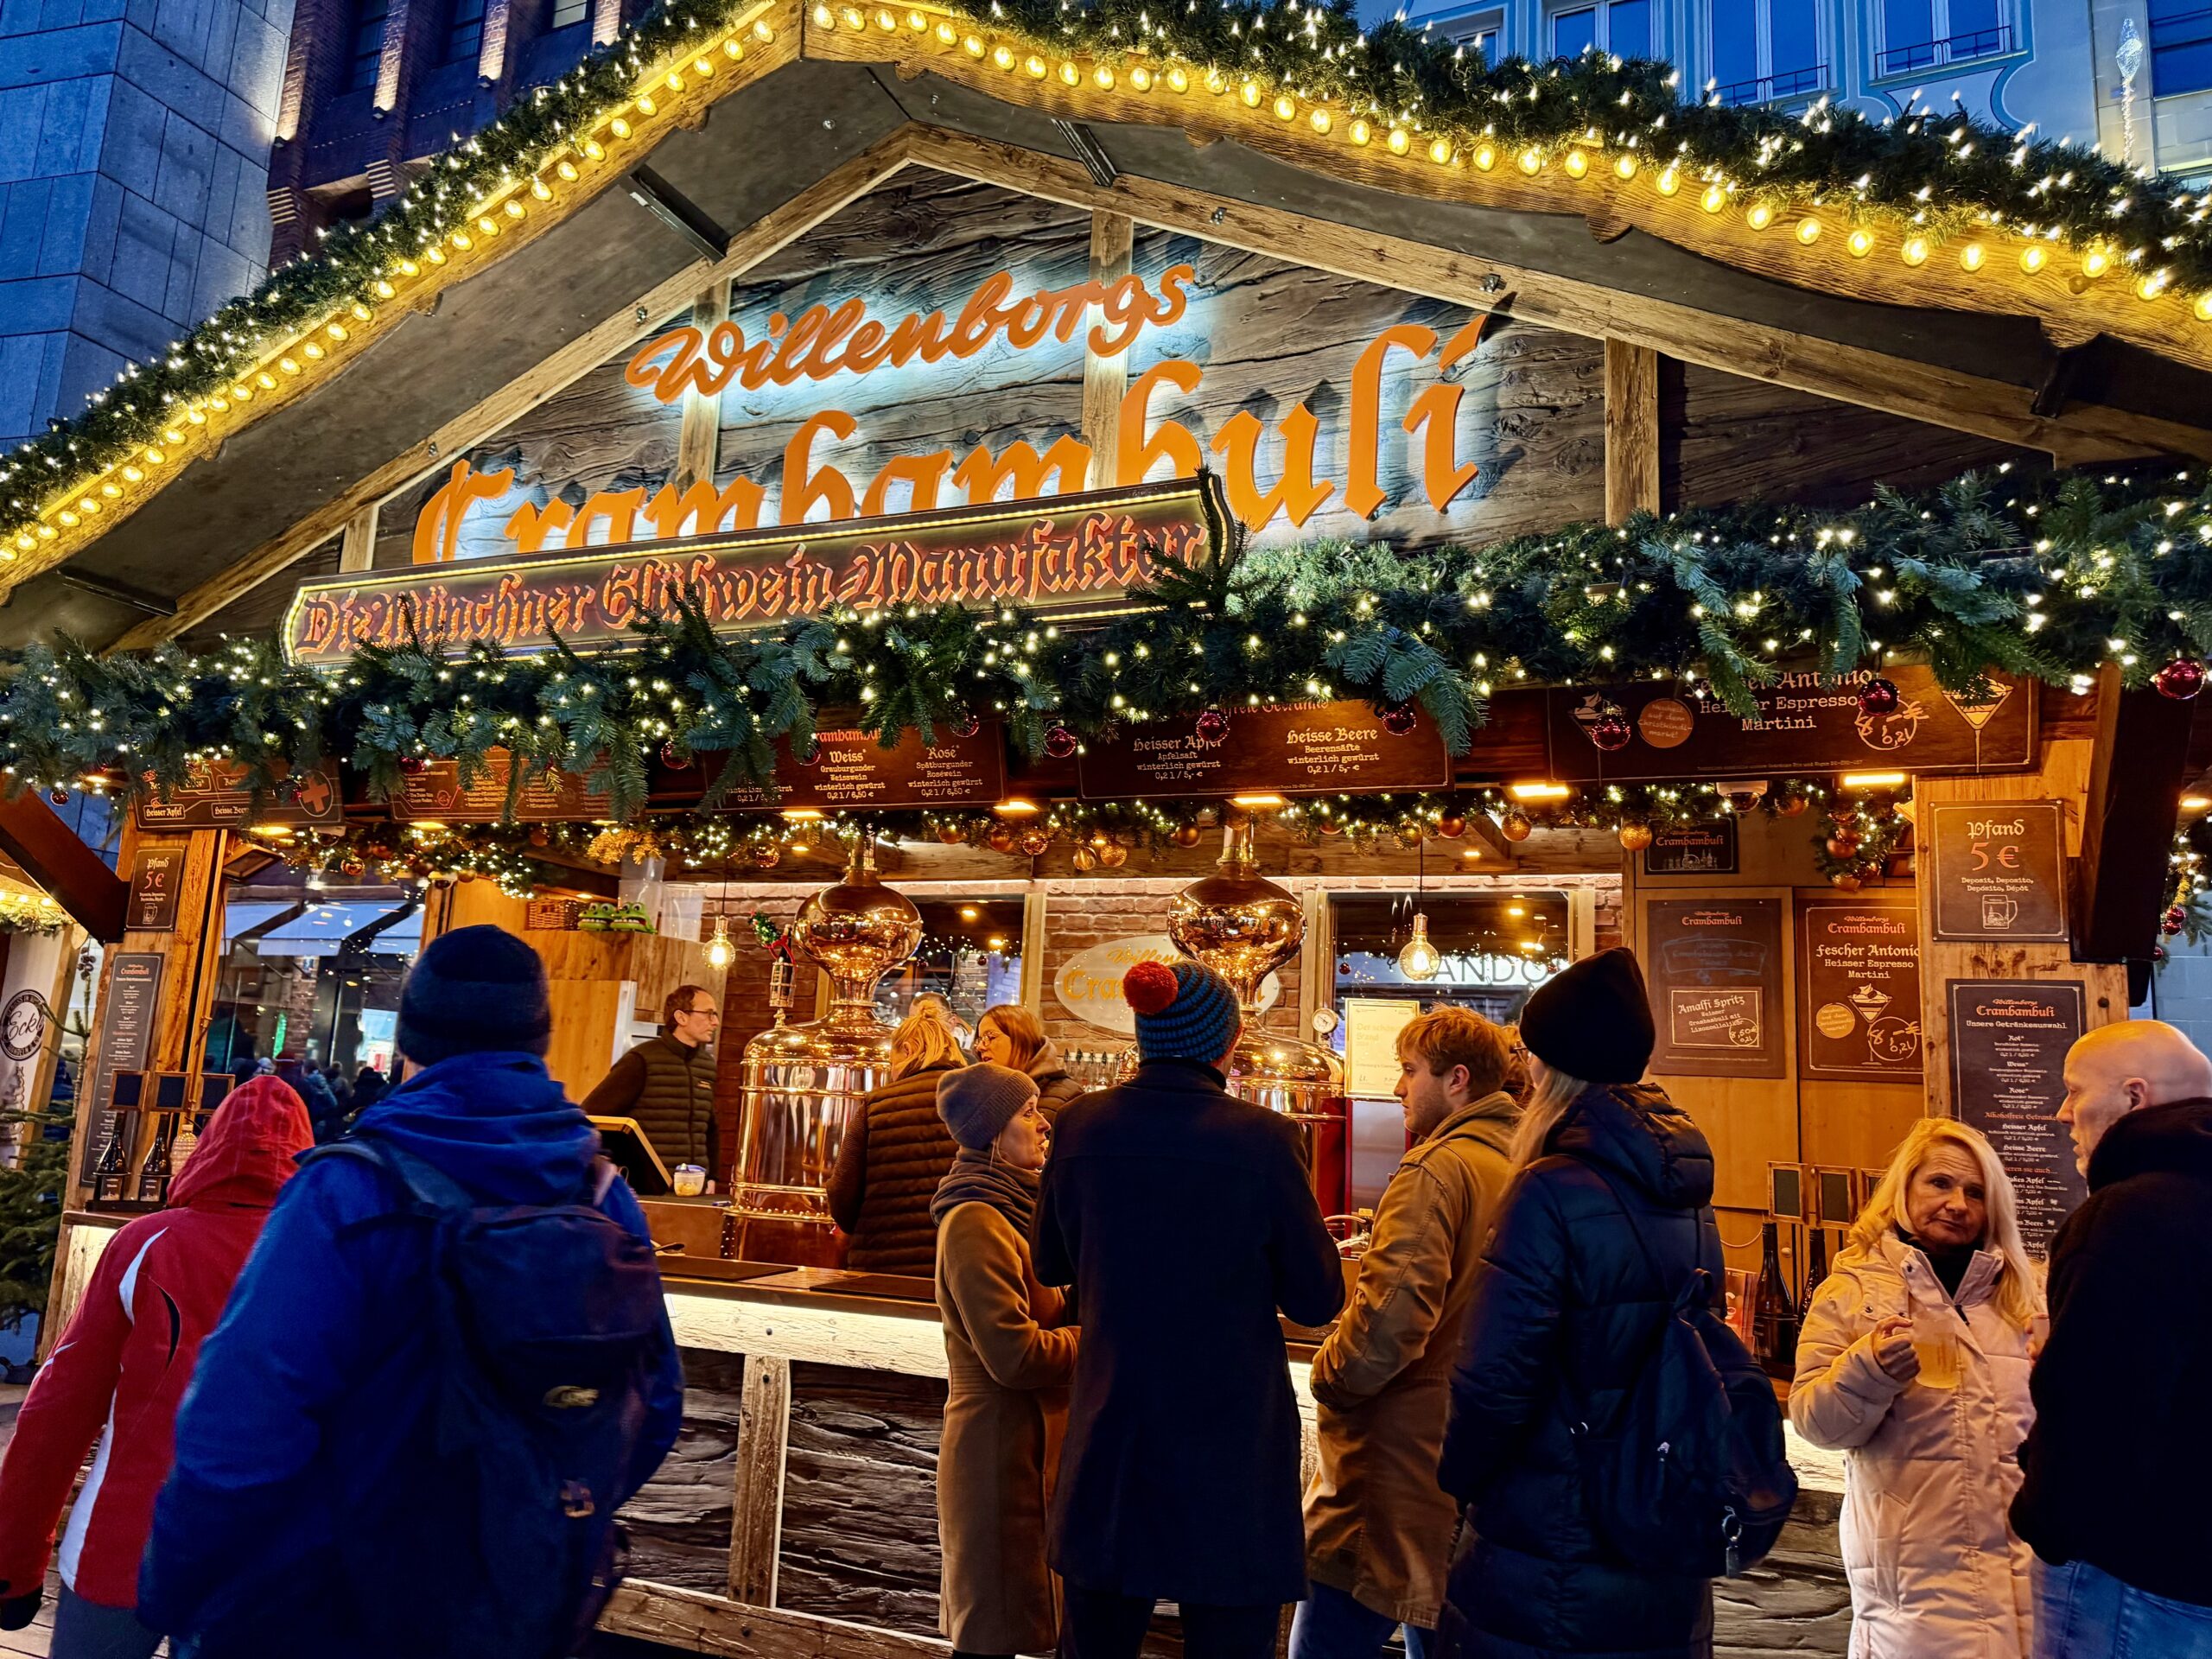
x=1715, y=971
x=1284, y=748
x=2009, y=1039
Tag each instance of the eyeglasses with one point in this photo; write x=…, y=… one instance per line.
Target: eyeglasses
x=709, y=1012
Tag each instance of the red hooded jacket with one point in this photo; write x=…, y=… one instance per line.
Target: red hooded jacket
x=121, y=1368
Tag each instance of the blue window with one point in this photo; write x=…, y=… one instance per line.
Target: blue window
x=368, y=45
x=1575, y=33
x=465, y=31
x=1620, y=26
x=1765, y=49
x=1919, y=35
x=2181, y=47
x=566, y=12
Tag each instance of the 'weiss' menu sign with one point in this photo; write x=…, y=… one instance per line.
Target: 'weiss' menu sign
x=1714, y=971
x=2009, y=1039
x=850, y=770
x=1858, y=990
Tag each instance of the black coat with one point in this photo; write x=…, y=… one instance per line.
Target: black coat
x=1184, y=1219
x=2119, y=1462
x=1565, y=1309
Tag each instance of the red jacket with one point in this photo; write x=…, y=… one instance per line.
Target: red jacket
x=121, y=1368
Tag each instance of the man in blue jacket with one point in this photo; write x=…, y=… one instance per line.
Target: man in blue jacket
x=309, y=1475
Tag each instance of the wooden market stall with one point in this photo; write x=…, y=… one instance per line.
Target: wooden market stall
x=1182, y=432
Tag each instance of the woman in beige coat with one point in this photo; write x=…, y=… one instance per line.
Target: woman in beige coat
x=1008, y=1367
x=1914, y=1360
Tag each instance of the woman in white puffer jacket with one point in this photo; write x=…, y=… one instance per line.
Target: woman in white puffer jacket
x=1934, y=1570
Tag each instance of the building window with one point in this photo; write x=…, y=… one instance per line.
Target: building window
x=464, y=32
x=368, y=45
x=1765, y=49
x=566, y=12
x=1622, y=27
x=2181, y=47
x=1919, y=35
x=1480, y=32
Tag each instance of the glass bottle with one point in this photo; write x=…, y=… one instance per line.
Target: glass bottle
x=1774, y=1310
x=153, y=1172
x=112, y=1174
x=1816, y=1269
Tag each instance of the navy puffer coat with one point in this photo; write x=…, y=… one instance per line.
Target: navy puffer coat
x=1566, y=1309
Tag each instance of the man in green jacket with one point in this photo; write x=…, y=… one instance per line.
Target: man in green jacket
x=667, y=1083
x=1378, y=1528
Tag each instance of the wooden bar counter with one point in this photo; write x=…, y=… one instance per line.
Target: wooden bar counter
x=796, y=1517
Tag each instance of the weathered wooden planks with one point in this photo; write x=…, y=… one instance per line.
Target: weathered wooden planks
x=679, y=1525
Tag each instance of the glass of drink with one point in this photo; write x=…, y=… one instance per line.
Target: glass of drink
x=1935, y=1342
x=690, y=1180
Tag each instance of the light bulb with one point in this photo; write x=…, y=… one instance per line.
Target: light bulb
x=1419, y=959
x=719, y=954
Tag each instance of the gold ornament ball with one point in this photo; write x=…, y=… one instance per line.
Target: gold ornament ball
x=1451, y=826
x=1842, y=844
x=1635, y=838
x=1791, y=806
x=1085, y=860
x=1844, y=882
x=1002, y=840
x=1516, y=826
x=951, y=834
x=1188, y=835
x=1409, y=835
x=1112, y=854
x=1035, y=841
x=767, y=857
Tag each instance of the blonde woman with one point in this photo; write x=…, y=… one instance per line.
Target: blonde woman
x=1011, y=1035
x=895, y=1154
x=1914, y=1360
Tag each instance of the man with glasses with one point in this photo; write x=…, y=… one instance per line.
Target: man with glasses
x=667, y=1084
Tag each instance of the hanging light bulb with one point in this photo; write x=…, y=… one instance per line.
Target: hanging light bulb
x=1419, y=959
x=719, y=953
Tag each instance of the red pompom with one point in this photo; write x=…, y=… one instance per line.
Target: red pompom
x=1149, y=987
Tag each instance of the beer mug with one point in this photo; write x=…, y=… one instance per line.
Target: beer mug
x=1936, y=1343
x=690, y=1180
x=1998, y=911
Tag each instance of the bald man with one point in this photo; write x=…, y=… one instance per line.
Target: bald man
x=2119, y=1466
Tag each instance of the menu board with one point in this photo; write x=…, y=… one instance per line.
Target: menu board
x=133, y=1001
x=436, y=793
x=2009, y=1039
x=153, y=877
x=1715, y=968
x=1285, y=748
x=1371, y=1028
x=1806, y=721
x=1693, y=850
x=850, y=770
x=1858, y=989
x=214, y=797
x=1999, y=870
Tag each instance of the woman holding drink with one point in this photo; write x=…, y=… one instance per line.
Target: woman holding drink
x=1914, y=1360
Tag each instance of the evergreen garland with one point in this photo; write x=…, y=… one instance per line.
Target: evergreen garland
x=1940, y=172
x=2050, y=577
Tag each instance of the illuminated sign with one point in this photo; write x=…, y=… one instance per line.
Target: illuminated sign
x=1270, y=472
x=1074, y=556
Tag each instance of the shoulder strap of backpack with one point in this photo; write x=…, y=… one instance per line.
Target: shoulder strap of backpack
x=430, y=1190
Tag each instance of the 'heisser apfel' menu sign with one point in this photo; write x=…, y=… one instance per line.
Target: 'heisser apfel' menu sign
x=2009, y=1039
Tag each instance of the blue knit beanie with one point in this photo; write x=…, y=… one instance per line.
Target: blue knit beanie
x=474, y=990
x=1184, y=1011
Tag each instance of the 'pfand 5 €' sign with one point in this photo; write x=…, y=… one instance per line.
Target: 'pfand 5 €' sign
x=1073, y=556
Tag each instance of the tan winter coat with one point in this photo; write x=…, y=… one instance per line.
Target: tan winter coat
x=1377, y=1525
x=1005, y=1407
x=1934, y=1570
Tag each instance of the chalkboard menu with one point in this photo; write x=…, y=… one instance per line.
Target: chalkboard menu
x=154, y=878
x=1290, y=748
x=215, y=796
x=1858, y=989
x=1999, y=870
x=1693, y=850
x=435, y=792
x=1715, y=971
x=849, y=769
x=134, y=999
x=2009, y=1039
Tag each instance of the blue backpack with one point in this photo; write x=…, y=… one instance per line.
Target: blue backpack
x=1691, y=1475
x=543, y=1324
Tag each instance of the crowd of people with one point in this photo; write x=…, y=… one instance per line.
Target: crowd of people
x=330, y=1418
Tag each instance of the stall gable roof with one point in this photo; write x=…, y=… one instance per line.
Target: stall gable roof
x=560, y=274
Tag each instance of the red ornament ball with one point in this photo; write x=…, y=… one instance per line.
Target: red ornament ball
x=2177, y=915
x=1001, y=840
x=1149, y=987
x=1791, y=806
x=1399, y=720
x=1612, y=732
x=671, y=759
x=767, y=856
x=1060, y=742
x=413, y=764
x=59, y=796
x=1213, y=725
x=1034, y=842
x=2181, y=679
x=1516, y=826
x=970, y=726
x=951, y=834
x=2169, y=928
x=1878, y=697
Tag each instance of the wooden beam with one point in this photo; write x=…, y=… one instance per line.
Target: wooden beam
x=715, y=1624
x=358, y=549
x=698, y=443
x=71, y=874
x=764, y=1421
x=1631, y=430
x=1105, y=379
x=1850, y=374
x=2139, y=765
x=763, y=237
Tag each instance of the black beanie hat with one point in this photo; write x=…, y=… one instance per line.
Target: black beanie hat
x=1593, y=1019
x=474, y=990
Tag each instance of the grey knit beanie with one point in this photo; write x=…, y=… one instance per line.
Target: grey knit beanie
x=978, y=1102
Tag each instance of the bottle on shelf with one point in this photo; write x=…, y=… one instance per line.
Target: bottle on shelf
x=1774, y=1310
x=112, y=1174
x=153, y=1172
x=1816, y=1269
